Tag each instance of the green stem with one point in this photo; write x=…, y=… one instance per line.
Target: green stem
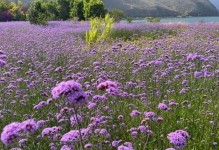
x=78, y=127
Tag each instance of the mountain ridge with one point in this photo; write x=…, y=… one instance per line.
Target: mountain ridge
x=163, y=8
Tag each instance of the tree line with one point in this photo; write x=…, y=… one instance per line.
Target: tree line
x=41, y=11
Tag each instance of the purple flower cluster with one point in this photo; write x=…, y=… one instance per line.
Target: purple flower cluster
x=178, y=138
x=2, y=56
x=72, y=90
x=107, y=85
x=15, y=130
x=74, y=136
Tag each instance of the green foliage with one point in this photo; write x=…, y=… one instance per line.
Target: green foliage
x=37, y=14
x=77, y=11
x=117, y=14
x=51, y=7
x=64, y=9
x=93, y=8
x=16, y=11
x=100, y=29
x=152, y=19
x=3, y=6
x=129, y=19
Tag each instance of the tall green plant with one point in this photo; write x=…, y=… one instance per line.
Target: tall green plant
x=100, y=29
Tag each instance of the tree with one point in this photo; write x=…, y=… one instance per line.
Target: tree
x=64, y=9
x=51, y=7
x=93, y=8
x=37, y=14
x=77, y=11
x=16, y=11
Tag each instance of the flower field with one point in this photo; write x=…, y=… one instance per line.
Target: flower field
x=152, y=87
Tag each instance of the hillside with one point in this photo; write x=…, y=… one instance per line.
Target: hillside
x=163, y=8
x=216, y=3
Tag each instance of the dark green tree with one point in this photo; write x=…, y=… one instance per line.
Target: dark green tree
x=64, y=9
x=77, y=11
x=93, y=8
x=37, y=13
x=51, y=7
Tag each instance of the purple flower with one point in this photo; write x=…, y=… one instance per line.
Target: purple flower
x=149, y=114
x=177, y=140
x=208, y=74
x=29, y=126
x=2, y=63
x=134, y=134
x=10, y=133
x=67, y=147
x=88, y=145
x=1, y=52
x=183, y=133
x=198, y=74
x=115, y=143
x=142, y=129
x=22, y=142
x=91, y=105
x=74, y=136
x=73, y=121
x=122, y=147
x=51, y=132
x=107, y=84
x=66, y=88
x=162, y=106
x=135, y=113
x=120, y=117
x=77, y=98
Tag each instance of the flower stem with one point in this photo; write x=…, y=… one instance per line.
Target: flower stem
x=78, y=127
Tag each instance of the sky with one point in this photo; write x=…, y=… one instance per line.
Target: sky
x=216, y=3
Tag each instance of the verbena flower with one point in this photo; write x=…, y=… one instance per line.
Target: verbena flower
x=10, y=133
x=178, y=138
x=66, y=88
x=29, y=126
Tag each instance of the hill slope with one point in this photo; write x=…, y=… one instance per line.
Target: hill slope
x=216, y=3
x=163, y=8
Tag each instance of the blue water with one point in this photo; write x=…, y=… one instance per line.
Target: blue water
x=186, y=20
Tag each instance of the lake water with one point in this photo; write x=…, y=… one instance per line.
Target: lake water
x=186, y=20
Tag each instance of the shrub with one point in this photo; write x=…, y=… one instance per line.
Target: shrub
x=152, y=19
x=116, y=14
x=129, y=19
